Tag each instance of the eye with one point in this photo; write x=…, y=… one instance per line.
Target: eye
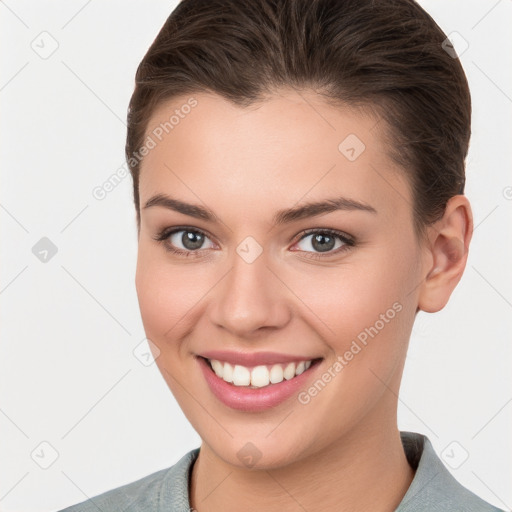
x=325, y=241
x=183, y=241
x=190, y=242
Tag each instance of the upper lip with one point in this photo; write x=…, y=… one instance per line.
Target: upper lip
x=253, y=359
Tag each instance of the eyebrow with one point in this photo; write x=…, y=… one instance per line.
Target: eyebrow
x=284, y=216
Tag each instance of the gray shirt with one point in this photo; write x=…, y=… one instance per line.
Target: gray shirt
x=433, y=488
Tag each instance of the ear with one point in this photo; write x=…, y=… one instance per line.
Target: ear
x=447, y=251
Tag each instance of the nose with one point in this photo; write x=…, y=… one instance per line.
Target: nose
x=251, y=299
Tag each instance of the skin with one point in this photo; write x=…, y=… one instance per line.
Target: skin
x=342, y=450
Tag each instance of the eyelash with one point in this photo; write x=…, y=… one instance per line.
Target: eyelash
x=347, y=240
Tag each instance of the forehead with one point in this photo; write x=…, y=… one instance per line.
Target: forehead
x=293, y=145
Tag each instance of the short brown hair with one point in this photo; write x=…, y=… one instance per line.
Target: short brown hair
x=386, y=55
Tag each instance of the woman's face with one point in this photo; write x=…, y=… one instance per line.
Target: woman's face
x=249, y=280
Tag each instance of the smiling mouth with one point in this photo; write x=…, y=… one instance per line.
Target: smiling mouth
x=259, y=376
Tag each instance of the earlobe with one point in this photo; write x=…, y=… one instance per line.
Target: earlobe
x=449, y=240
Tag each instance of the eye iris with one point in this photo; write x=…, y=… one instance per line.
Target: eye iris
x=323, y=246
x=192, y=240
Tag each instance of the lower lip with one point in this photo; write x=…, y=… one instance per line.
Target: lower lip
x=254, y=399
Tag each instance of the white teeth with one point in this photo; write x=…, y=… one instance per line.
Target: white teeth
x=218, y=367
x=289, y=371
x=227, y=372
x=241, y=376
x=276, y=374
x=259, y=376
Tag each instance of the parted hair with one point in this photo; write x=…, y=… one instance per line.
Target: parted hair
x=387, y=56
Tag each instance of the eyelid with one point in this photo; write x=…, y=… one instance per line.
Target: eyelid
x=349, y=239
x=167, y=232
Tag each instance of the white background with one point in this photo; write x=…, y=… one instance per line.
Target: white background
x=68, y=375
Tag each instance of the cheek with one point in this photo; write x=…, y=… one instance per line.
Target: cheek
x=164, y=294
x=171, y=296
x=349, y=299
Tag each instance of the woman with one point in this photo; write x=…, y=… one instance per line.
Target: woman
x=298, y=171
